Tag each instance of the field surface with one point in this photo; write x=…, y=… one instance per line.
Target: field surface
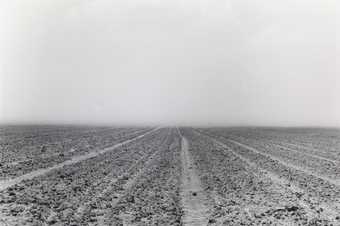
x=68, y=175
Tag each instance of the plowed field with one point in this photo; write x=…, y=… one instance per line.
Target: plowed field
x=53, y=175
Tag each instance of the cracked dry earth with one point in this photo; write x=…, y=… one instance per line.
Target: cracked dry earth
x=54, y=175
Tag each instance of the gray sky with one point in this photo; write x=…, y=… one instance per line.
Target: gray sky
x=211, y=62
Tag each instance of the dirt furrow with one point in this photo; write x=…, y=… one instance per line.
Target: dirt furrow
x=329, y=180
x=303, y=140
x=128, y=179
x=113, y=181
x=311, y=155
x=286, y=146
x=47, y=155
x=152, y=197
x=192, y=193
x=242, y=195
x=126, y=189
x=315, y=154
x=8, y=183
x=56, y=196
x=328, y=212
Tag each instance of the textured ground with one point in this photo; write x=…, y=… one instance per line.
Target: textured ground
x=53, y=175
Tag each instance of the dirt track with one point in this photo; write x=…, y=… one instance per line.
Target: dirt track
x=169, y=176
x=193, y=196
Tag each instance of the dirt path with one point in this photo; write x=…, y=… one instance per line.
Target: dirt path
x=8, y=183
x=192, y=194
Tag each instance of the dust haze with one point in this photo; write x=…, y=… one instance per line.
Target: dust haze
x=236, y=62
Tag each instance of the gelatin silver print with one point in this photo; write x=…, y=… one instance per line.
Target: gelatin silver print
x=169, y=112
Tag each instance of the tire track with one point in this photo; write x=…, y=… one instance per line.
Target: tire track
x=308, y=162
x=334, y=182
x=8, y=183
x=126, y=188
x=80, y=212
x=329, y=180
x=47, y=156
x=192, y=193
x=335, y=162
x=328, y=213
x=128, y=184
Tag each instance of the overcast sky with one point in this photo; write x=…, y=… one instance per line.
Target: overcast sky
x=208, y=62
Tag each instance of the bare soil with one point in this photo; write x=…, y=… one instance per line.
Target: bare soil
x=67, y=175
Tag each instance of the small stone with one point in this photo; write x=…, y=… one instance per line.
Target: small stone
x=131, y=199
x=43, y=148
x=212, y=221
x=52, y=219
x=292, y=208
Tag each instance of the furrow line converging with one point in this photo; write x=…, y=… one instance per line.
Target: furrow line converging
x=11, y=182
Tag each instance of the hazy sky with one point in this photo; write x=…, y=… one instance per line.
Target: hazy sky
x=212, y=62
